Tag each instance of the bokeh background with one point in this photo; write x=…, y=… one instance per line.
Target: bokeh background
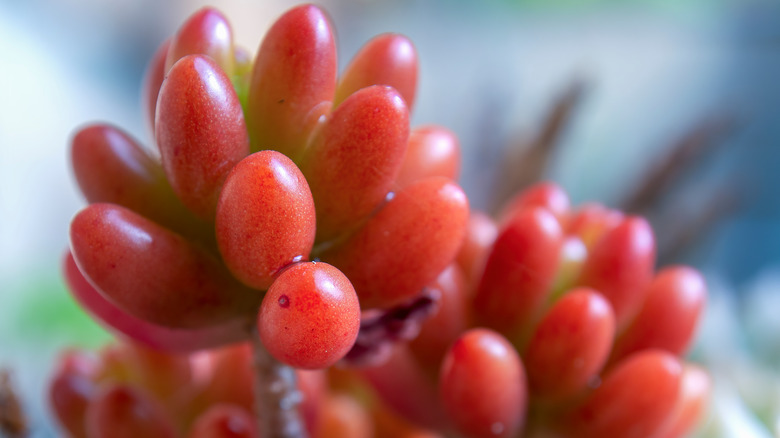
x=651, y=71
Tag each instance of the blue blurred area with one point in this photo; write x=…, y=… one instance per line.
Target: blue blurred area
x=750, y=240
x=107, y=42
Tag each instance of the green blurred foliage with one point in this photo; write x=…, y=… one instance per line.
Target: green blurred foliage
x=46, y=312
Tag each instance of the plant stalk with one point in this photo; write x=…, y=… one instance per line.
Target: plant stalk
x=277, y=396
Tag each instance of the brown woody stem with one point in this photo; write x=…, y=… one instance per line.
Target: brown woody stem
x=277, y=396
x=13, y=423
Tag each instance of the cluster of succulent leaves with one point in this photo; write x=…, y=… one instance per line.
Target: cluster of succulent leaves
x=285, y=199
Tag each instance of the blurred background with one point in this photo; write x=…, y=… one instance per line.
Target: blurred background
x=612, y=87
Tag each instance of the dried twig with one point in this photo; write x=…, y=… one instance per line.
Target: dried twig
x=12, y=420
x=682, y=230
x=693, y=146
x=380, y=330
x=524, y=165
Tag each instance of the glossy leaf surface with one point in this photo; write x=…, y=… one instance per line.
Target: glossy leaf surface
x=112, y=167
x=634, y=400
x=354, y=159
x=152, y=81
x=668, y=317
x=206, y=32
x=152, y=273
x=406, y=388
x=449, y=321
x=570, y=345
x=121, y=411
x=225, y=421
x=405, y=245
x=482, y=385
x=119, y=322
x=200, y=130
x=620, y=266
x=310, y=316
x=432, y=151
x=547, y=195
x=265, y=218
x=481, y=233
x=388, y=59
x=293, y=81
x=519, y=272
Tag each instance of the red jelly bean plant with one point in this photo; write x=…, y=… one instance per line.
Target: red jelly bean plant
x=289, y=220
